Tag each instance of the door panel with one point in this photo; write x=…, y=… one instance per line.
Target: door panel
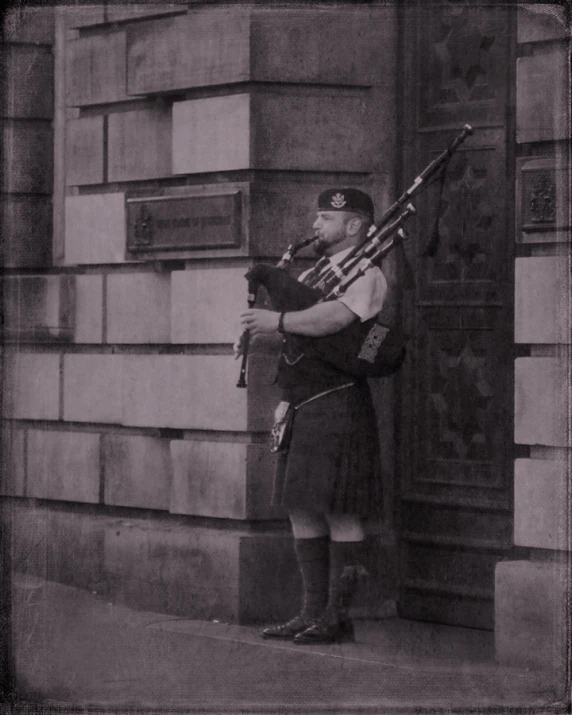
x=457, y=394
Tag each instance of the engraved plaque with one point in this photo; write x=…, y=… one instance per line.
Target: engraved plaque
x=542, y=200
x=182, y=223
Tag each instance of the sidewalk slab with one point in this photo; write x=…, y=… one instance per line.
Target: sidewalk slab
x=74, y=648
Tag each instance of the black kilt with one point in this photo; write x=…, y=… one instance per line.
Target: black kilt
x=333, y=462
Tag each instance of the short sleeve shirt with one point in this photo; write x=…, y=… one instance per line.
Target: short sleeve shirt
x=365, y=297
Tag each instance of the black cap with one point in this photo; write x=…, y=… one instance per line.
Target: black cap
x=352, y=200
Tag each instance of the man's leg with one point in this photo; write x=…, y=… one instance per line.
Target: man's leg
x=346, y=568
x=311, y=543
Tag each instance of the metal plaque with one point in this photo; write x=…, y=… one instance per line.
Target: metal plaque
x=182, y=223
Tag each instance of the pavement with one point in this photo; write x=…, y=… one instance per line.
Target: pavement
x=73, y=649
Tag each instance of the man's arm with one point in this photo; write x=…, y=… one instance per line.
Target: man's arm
x=321, y=319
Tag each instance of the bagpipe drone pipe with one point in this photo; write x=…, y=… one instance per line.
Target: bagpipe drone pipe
x=362, y=349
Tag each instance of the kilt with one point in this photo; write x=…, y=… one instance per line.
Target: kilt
x=333, y=462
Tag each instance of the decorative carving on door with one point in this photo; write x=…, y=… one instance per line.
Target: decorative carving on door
x=461, y=396
x=460, y=53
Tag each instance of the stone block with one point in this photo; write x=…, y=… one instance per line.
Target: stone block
x=174, y=569
x=88, y=309
x=128, y=133
x=28, y=158
x=542, y=402
x=12, y=464
x=216, y=46
x=92, y=388
x=539, y=22
x=63, y=466
x=543, y=94
x=270, y=585
x=84, y=151
x=96, y=69
x=532, y=625
x=58, y=545
x=202, y=48
x=39, y=307
x=138, y=308
x=181, y=391
x=319, y=57
x=193, y=392
x=95, y=229
x=211, y=134
x=205, y=304
x=117, y=13
x=272, y=131
x=226, y=480
x=542, y=300
x=30, y=25
x=31, y=386
x=26, y=227
x=137, y=471
x=312, y=133
x=29, y=82
x=84, y=15
x=202, y=573
x=541, y=503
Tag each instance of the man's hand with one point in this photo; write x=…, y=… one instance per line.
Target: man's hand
x=238, y=347
x=259, y=321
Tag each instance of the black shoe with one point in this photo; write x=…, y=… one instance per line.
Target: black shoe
x=295, y=625
x=327, y=632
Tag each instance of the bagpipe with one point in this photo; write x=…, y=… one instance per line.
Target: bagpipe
x=362, y=349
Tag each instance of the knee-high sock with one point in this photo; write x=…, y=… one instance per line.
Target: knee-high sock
x=313, y=560
x=346, y=570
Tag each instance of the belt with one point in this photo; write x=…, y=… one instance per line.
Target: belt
x=322, y=394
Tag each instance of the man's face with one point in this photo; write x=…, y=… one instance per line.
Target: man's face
x=331, y=227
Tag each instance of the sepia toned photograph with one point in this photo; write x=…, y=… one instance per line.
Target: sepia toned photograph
x=286, y=328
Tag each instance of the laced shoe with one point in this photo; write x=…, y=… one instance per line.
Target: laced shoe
x=291, y=628
x=327, y=630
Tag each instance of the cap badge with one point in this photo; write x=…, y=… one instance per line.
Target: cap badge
x=338, y=200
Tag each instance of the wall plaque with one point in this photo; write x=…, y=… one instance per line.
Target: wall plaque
x=542, y=197
x=182, y=223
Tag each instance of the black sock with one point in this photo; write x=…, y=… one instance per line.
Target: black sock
x=346, y=569
x=313, y=558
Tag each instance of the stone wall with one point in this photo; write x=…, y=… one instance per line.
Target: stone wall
x=120, y=382
x=27, y=136
x=532, y=596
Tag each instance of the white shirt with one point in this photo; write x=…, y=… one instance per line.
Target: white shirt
x=366, y=295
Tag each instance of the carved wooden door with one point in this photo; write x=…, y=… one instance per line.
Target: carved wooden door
x=457, y=392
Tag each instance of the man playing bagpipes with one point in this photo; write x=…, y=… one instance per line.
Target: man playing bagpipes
x=328, y=475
